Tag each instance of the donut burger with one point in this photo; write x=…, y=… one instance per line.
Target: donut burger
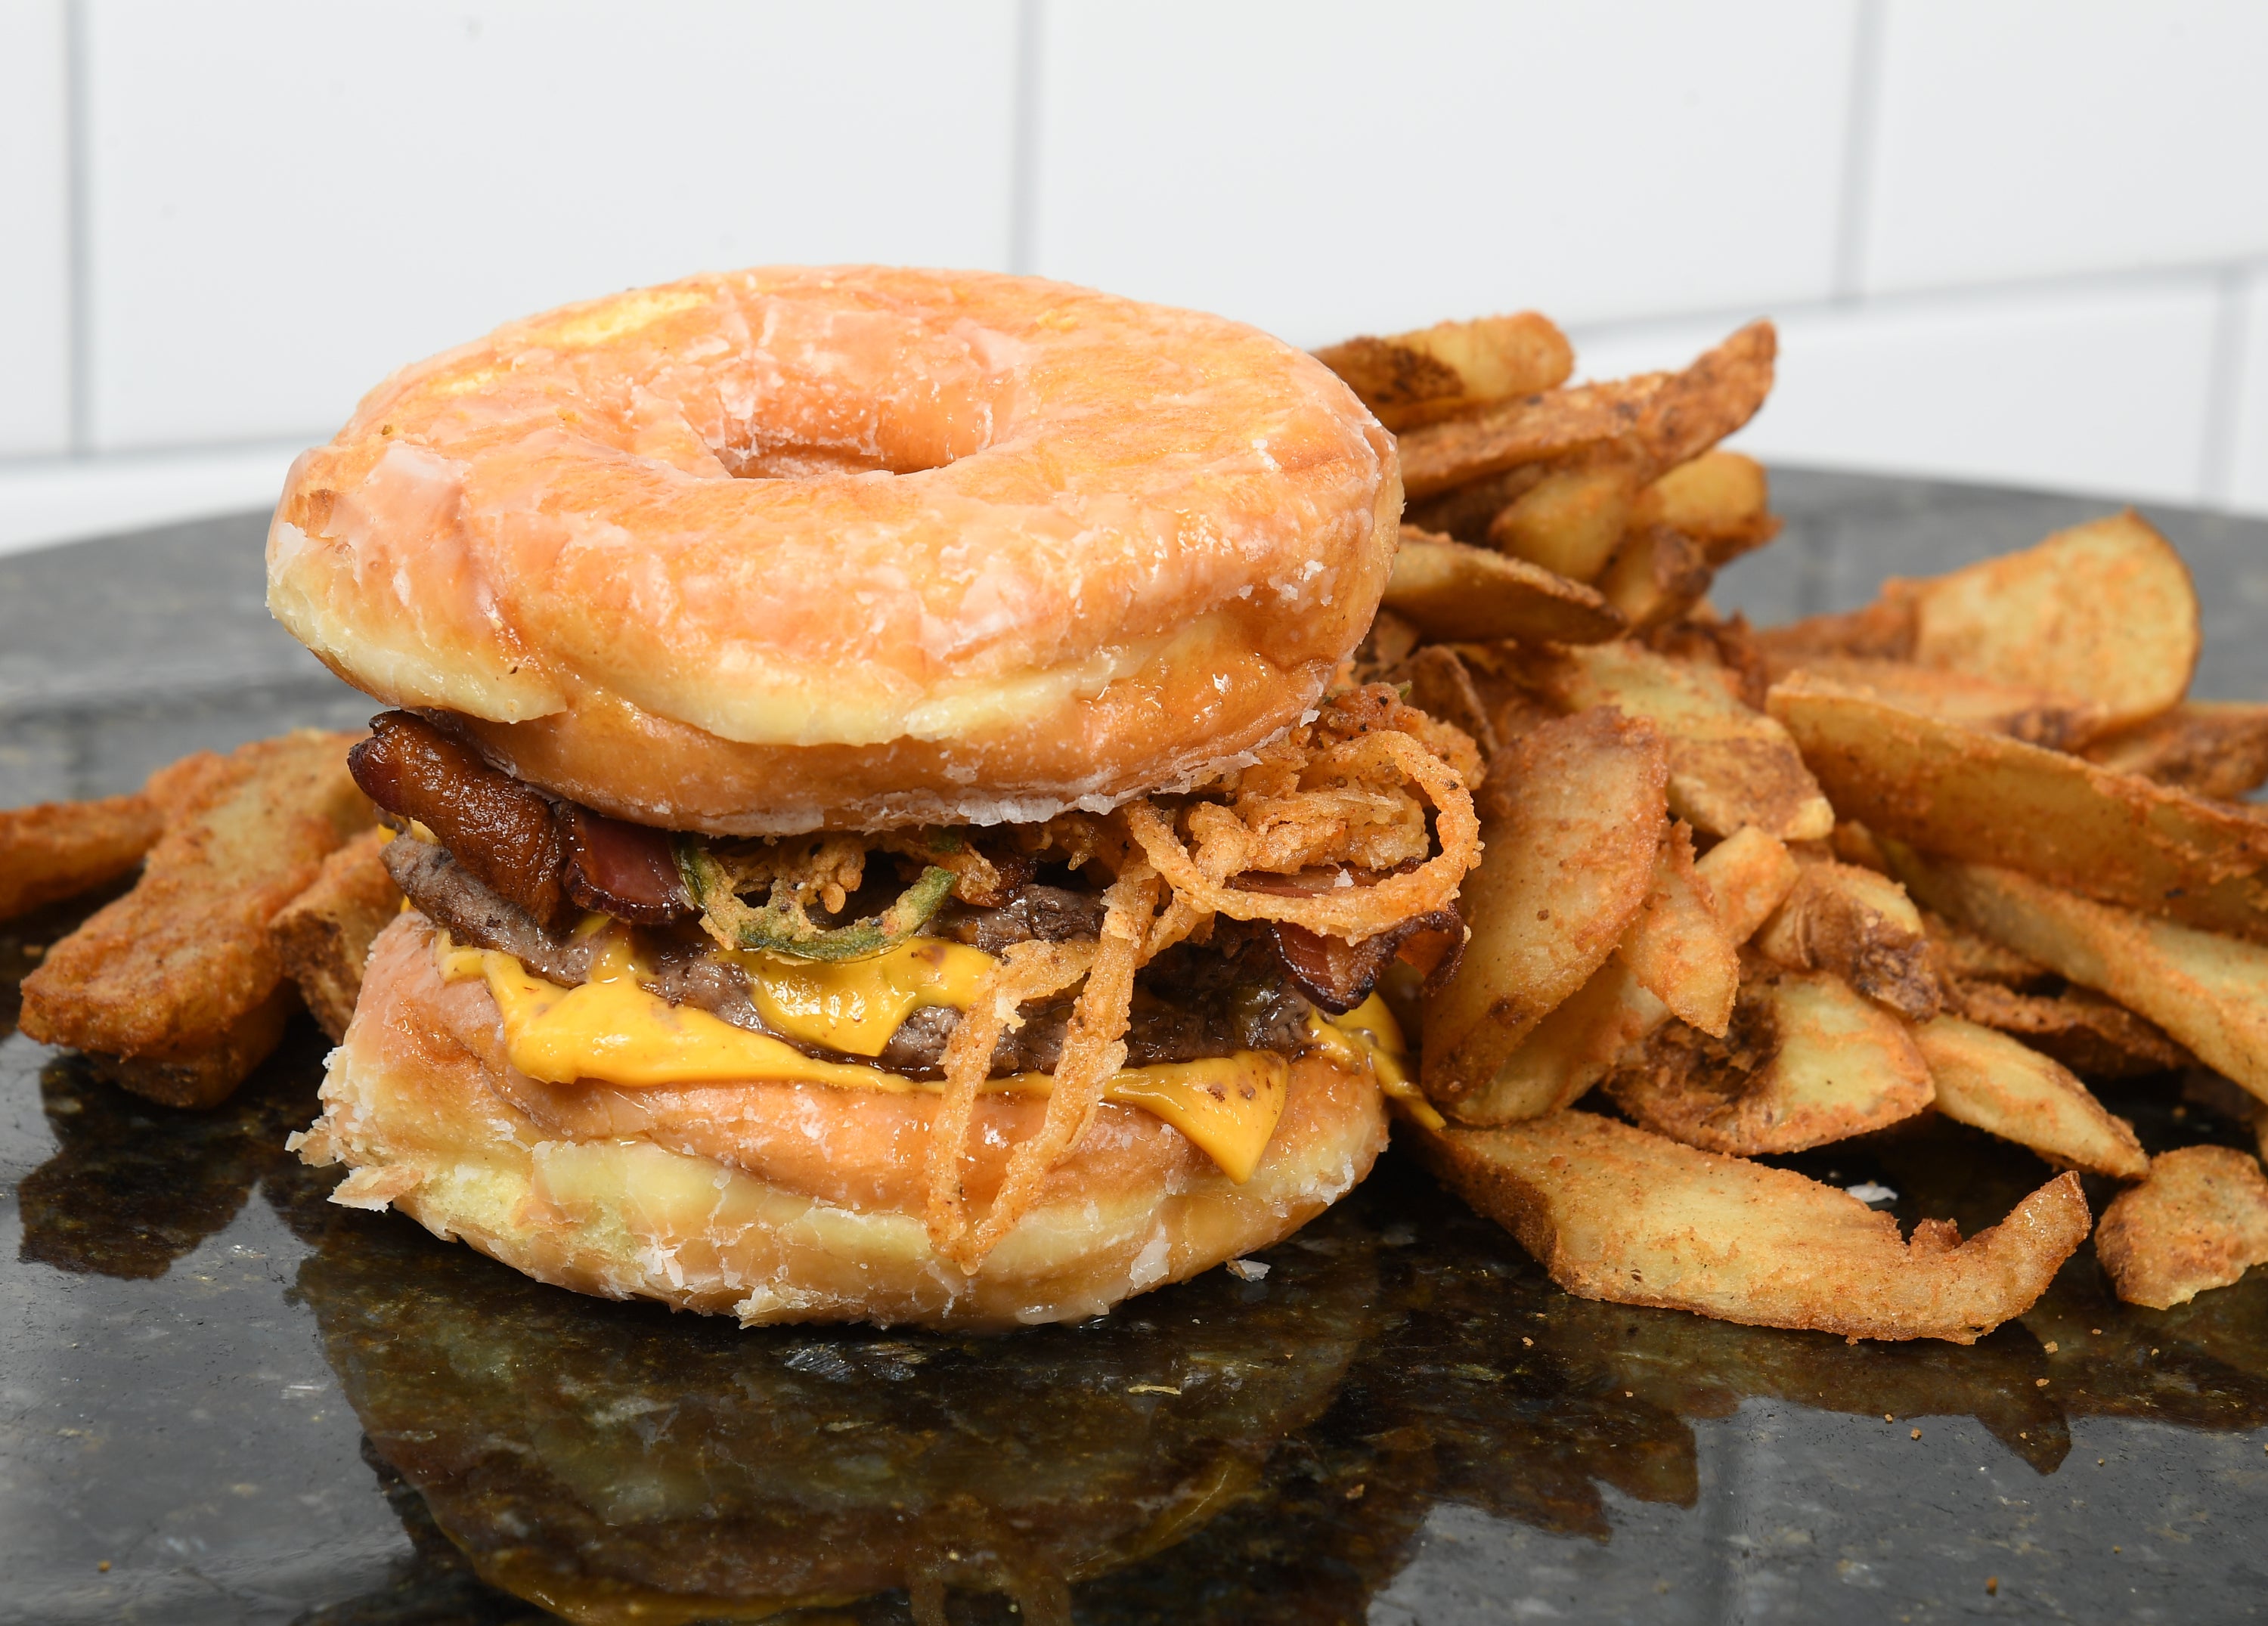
x=888, y=828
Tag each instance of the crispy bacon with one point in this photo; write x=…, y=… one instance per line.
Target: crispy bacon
x=548, y=859
x=1338, y=976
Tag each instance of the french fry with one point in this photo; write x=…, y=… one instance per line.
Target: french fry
x=323, y=936
x=59, y=850
x=178, y=978
x=1671, y=417
x=1564, y=871
x=2104, y=610
x=2209, y=992
x=1745, y=876
x=1808, y=1061
x=1729, y=766
x=1862, y=927
x=2094, y=1037
x=1986, y=798
x=1452, y=368
x=1990, y=1082
x=1571, y=521
x=1677, y=950
x=1616, y=1213
x=2198, y=1221
x=1656, y=575
x=2209, y=747
x=2058, y=722
x=1720, y=499
x=1959, y=955
x=1462, y=594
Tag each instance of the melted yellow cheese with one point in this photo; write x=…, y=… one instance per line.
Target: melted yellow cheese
x=612, y=1030
x=855, y=1005
x=1369, y=1035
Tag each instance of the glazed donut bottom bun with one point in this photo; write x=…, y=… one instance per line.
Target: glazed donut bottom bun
x=776, y=1201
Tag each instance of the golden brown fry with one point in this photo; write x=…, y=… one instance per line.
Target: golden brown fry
x=175, y=972
x=2096, y=1037
x=1729, y=766
x=323, y=936
x=1563, y=874
x=1452, y=368
x=1615, y=1213
x=1958, y=954
x=1464, y=594
x=1677, y=949
x=206, y=1074
x=2209, y=992
x=1746, y=876
x=1990, y=1082
x=1862, y=927
x=1986, y=798
x=1671, y=417
x=1571, y=521
x=2058, y=722
x=2198, y=1221
x=2104, y=610
x=1720, y=499
x=1883, y=630
x=58, y=850
x=1656, y=575
x=1807, y=1062
x=2210, y=747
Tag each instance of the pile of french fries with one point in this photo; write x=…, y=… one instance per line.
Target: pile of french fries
x=1744, y=892
x=1749, y=893
x=259, y=889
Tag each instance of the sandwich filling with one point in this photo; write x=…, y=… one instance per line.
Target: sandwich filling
x=1172, y=956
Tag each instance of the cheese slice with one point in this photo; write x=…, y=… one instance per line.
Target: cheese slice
x=613, y=1031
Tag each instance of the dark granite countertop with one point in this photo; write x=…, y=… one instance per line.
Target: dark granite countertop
x=223, y=1398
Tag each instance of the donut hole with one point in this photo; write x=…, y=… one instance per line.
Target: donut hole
x=792, y=462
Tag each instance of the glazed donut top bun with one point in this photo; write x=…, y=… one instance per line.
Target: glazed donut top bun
x=792, y=548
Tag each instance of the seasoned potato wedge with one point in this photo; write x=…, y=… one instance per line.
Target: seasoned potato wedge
x=58, y=850
x=324, y=934
x=1677, y=949
x=1614, y=1212
x=178, y=978
x=1571, y=521
x=2209, y=747
x=1564, y=872
x=1729, y=766
x=2104, y=610
x=1670, y=417
x=1990, y=1082
x=1464, y=594
x=2059, y=722
x=1657, y=574
x=1452, y=368
x=1862, y=927
x=1720, y=499
x=1990, y=799
x=2096, y=1037
x=1745, y=876
x=2199, y=1220
x=2210, y=992
x=1807, y=1062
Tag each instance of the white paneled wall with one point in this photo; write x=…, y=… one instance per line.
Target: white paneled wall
x=2006, y=239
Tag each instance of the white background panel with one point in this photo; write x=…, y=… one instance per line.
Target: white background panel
x=2034, y=137
x=289, y=200
x=53, y=501
x=1348, y=167
x=34, y=231
x=2249, y=437
x=2101, y=392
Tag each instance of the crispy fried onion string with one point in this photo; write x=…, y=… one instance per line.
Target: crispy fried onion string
x=1354, y=913
x=1095, y=1048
